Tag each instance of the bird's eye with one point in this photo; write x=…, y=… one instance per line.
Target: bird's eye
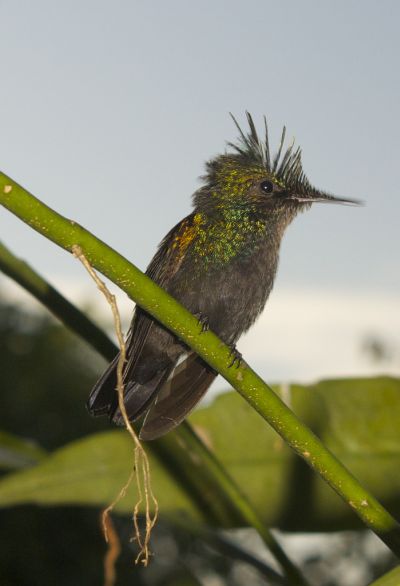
x=267, y=186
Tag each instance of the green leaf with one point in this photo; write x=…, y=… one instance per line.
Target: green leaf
x=16, y=452
x=358, y=419
x=90, y=471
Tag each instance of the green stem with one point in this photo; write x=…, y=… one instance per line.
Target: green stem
x=195, y=467
x=75, y=320
x=228, y=502
x=169, y=312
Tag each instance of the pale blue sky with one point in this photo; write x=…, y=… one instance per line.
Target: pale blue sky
x=108, y=111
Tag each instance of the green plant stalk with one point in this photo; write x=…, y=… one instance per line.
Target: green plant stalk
x=229, y=501
x=75, y=320
x=195, y=467
x=67, y=234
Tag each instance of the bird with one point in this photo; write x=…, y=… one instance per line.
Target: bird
x=220, y=263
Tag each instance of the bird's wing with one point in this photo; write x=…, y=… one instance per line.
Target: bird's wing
x=177, y=397
x=165, y=263
x=162, y=268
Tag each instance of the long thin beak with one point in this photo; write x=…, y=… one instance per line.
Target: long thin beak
x=325, y=198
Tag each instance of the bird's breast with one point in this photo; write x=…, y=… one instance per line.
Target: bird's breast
x=231, y=294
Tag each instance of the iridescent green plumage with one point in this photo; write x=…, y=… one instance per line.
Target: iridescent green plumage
x=220, y=239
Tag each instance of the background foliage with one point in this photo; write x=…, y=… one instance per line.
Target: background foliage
x=46, y=373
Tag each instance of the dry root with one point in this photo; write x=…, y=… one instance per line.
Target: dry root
x=141, y=467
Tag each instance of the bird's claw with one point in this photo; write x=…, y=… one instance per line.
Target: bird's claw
x=236, y=357
x=202, y=320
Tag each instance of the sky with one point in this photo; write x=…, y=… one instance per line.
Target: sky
x=108, y=111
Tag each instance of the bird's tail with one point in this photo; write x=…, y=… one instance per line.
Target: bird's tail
x=103, y=399
x=177, y=397
x=167, y=398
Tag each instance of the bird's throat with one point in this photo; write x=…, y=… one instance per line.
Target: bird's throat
x=221, y=240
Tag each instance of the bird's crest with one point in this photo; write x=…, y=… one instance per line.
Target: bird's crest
x=285, y=168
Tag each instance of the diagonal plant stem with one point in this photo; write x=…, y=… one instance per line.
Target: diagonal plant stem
x=20, y=271
x=170, y=313
x=195, y=467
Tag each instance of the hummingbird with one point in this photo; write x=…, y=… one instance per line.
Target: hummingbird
x=219, y=262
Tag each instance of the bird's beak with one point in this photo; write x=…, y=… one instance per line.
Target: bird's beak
x=324, y=198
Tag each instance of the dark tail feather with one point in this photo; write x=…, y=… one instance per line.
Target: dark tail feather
x=137, y=396
x=102, y=396
x=103, y=399
x=178, y=397
x=175, y=396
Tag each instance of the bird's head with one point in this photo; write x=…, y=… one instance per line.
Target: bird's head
x=248, y=179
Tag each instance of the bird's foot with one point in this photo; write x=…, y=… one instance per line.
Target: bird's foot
x=236, y=357
x=203, y=322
